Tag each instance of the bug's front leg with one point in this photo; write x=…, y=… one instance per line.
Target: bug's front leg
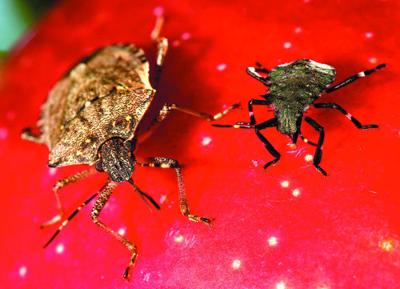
x=104, y=196
x=254, y=72
x=60, y=184
x=168, y=163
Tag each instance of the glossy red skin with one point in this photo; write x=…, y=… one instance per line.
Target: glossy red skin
x=331, y=236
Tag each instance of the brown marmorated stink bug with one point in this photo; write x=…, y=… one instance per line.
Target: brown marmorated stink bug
x=91, y=117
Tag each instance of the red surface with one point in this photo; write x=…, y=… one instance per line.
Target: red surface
x=341, y=231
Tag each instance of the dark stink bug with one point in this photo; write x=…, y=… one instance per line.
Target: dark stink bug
x=292, y=89
x=92, y=116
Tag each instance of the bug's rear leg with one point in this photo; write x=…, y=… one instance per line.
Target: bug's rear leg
x=104, y=196
x=166, y=163
x=354, y=77
x=318, y=151
x=347, y=114
x=269, y=123
x=28, y=134
x=60, y=184
x=306, y=140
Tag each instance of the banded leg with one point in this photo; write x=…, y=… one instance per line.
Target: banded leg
x=166, y=163
x=318, y=151
x=252, y=122
x=306, y=140
x=70, y=217
x=348, y=115
x=253, y=102
x=354, y=78
x=209, y=117
x=254, y=72
x=104, y=196
x=269, y=123
x=27, y=134
x=60, y=184
x=162, y=48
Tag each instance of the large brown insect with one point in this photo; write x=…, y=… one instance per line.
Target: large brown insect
x=91, y=117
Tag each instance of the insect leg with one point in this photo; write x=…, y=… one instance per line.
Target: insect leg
x=254, y=72
x=269, y=123
x=306, y=140
x=354, y=78
x=27, y=134
x=60, y=184
x=65, y=222
x=166, y=163
x=253, y=102
x=162, y=48
x=348, y=115
x=104, y=196
x=168, y=108
x=318, y=150
x=252, y=122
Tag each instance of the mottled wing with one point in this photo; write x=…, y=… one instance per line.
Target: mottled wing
x=103, y=97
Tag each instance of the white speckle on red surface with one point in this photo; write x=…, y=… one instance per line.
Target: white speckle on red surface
x=163, y=198
x=255, y=163
x=206, y=141
x=387, y=245
x=122, y=231
x=179, y=238
x=186, y=36
x=287, y=45
x=60, y=249
x=296, y=193
x=146, y=277
x=308, y=158
x=3, y=133
x=285, y=184
x=369, y=35
x=280, y=285
x=158, y=11
x=52, y=171
x=298, y=30
x=221, y=66
x=236, y=264
x=372, y=60
x=22, y=271
x=272, y=241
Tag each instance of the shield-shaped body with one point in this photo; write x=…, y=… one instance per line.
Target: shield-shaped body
x=104, y=96
x=294, y=86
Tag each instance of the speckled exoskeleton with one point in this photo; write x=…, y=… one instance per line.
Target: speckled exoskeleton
x=92, y=116
x=292, y=88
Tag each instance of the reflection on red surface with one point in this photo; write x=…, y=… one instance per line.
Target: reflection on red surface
x=287, y=227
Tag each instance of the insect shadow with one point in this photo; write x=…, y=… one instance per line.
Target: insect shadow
x=292, y=88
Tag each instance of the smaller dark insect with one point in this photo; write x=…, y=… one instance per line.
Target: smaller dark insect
x=292, y=89
x=93, y=116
